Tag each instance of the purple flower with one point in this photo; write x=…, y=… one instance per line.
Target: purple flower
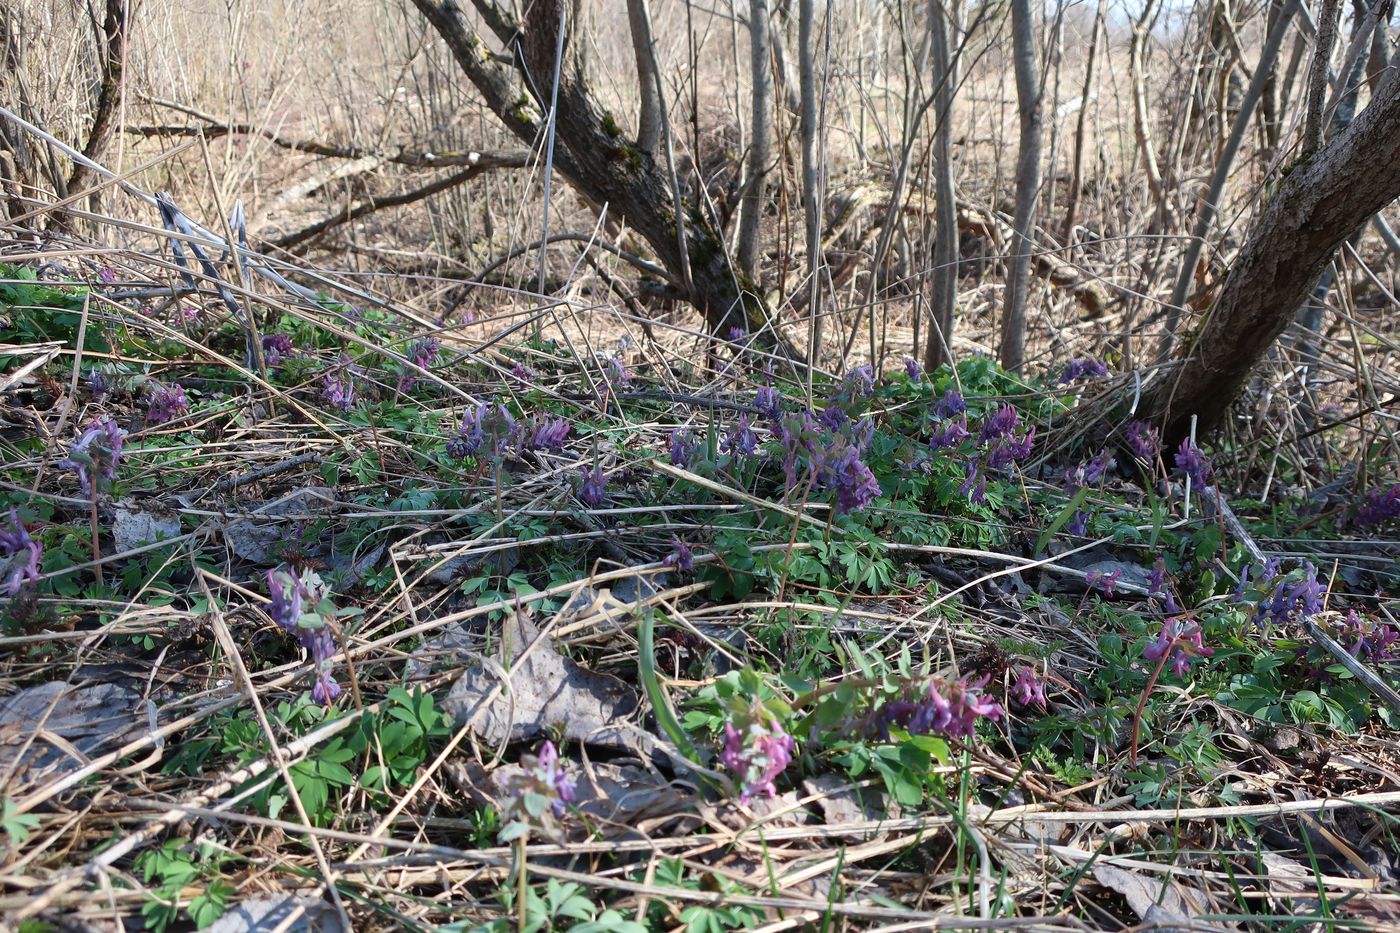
x=543, y=776
x=769, y=402
x=912, y=369
x=522, y=374
x=338, y=384
x=299, y=603
x=423, y=353
x=1157, y=585
x=106, y=275
x=1104, y=581
x=741, y=441
x=485, y=426
x=1078, y=525
x=1368, y=640
x=166, y=402
x=1089, y=473
x=100, y=382
x=951, y=434
x=951, y=708
x=1294, y=596
x=1381, y=506
x=799, y=434
x=682, y=448
x=96, y=454
x=950, y=405
x=833, y=418
x=859, y=382
x=975, y=485
x=592, y=485
x=22, y=551
x=546, y=433
x=276, y=348
x=1085, y=368
x=1180, y=641
x=1000, y=425
x=1008, y=449
x=1028, y=689
x=845, y=473
x=1194, y=464
x=757, y=755
x=616, y=373
x=1143, y=439
x=681, y=557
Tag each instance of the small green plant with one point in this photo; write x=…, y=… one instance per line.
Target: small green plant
x=175, y=867
x=560, y=905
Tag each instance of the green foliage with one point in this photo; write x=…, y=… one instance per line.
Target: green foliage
x=560, y=905
x=175, y=867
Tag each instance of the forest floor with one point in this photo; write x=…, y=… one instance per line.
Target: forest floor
x=537, y=635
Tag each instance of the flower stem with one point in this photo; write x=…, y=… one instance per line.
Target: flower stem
x=96, y=545
x=1137, y=714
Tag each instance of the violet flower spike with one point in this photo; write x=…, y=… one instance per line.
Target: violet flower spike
x=681, y=556
x=1379, y=507
x=95, y=455
x=1028, y=689
x=276, y=348
x=757, y=756
x=951, y=708
x=950, y=405
x=166, y=403
x=949, y=435
x=975, y=485
x=913, y=369
x=741, y=441
x=592, y=486
x=547, y=433
x=1180, y=642
x=1086, y=368
x=1143, y=439
x=1194, y=464
x=682, y=448
x=22, y=551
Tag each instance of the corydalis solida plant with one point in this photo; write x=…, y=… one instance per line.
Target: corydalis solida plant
x=22, y=551
x=301, y=606
x=95, y=455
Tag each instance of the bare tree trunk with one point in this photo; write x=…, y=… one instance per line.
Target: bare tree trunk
x=1316, y=206
x=1317, y=76
x=1210, y=204
x=1018, y=265
x=109, y=96
x=811, y=195
x=943, y=300
x=1076, y=178
x=761, y=138
x=1270, y=114
x=597, y=158
x=649, y=112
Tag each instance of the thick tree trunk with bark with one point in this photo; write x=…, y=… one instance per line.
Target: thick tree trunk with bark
x=1317, y=206
x=594, y=154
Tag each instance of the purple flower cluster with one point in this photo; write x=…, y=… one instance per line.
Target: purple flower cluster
x=1087, y=474
x=544, y=433
x=523, y=374
x=950, y=405
x=486, y=427
x=1368, y=640
x=912, y=369
x=1143, y=439
x=857, y=383
x=298, y=606
x=592, y=487
x=423, y=353
x=1179, y=642
x=95, y=455
x=769, y=402
x=741, y=441
x=1194, y=464
x=1028, y=689
x=1380, y=506
x=616, y=373
x=844, y=472
x=949, y=708
x=682, y=448
x=276, y=348
x=1001, y=443
x=338, y=383
x=1086, y=368
x=1105, y=582
x=974, y=485
x=681, y=557
x=953, y=432
x=757, y=753
x=544, y=777
x=22, y=551
x=166, y=402
x=1291, y=596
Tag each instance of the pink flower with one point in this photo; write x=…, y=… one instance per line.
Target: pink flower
x=1180, y=641
x=1028, y=689
x=757, y=755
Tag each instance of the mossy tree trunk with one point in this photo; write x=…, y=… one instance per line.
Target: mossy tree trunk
x=1316, y=206
x=595, y=155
